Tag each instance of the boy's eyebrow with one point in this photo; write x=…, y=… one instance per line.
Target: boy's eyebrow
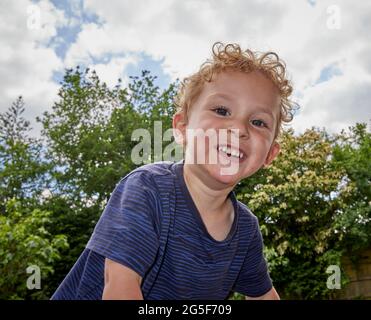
x=222, y=95
x=230, y=98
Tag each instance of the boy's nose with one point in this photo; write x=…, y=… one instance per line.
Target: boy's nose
x=240, y=131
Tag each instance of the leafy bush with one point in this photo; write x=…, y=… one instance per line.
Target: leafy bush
x=24, y=242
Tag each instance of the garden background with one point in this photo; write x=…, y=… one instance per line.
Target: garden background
x=66, y=142
x=313, y=202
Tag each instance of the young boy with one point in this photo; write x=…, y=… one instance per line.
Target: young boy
x=175, y=230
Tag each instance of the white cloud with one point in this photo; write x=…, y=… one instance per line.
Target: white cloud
x=336, y=104
x=92, y=41
x=27, y=63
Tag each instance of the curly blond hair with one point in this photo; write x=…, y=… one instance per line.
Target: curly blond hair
x=231, y=56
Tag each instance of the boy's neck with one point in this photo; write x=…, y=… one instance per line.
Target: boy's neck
x=208, y=199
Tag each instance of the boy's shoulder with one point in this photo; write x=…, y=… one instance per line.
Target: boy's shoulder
x=154, y=170
x=152, y=174
x=247, y=213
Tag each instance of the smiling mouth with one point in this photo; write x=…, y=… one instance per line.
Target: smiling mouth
x=232, y=152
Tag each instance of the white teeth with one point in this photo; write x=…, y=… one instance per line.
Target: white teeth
x=233, y=153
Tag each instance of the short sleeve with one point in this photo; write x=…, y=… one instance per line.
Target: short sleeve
x=254, y=279
x=127, y=232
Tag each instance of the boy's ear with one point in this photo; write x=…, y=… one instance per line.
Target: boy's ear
x=179, y=127
x=272, y=154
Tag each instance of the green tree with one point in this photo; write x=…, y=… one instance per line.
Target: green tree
x=352, y=153
x=24, y=242
x=89, y=130
x=22, y=169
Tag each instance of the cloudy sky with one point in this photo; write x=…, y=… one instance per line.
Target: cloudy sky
x=326, y=45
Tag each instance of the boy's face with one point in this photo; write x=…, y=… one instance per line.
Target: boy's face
x=235, y=100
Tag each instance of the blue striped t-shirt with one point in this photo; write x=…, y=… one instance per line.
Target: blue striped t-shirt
x=151, y=225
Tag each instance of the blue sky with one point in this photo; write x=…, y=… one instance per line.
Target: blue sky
x=325, y=47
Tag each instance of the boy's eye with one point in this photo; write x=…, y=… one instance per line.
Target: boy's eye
x=223, y=111
x=259, y=123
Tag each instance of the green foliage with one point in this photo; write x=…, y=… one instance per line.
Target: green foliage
x=89, y=131
x=352, y=152
x=25, y=241
x=21, y=169
x=306, y=202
